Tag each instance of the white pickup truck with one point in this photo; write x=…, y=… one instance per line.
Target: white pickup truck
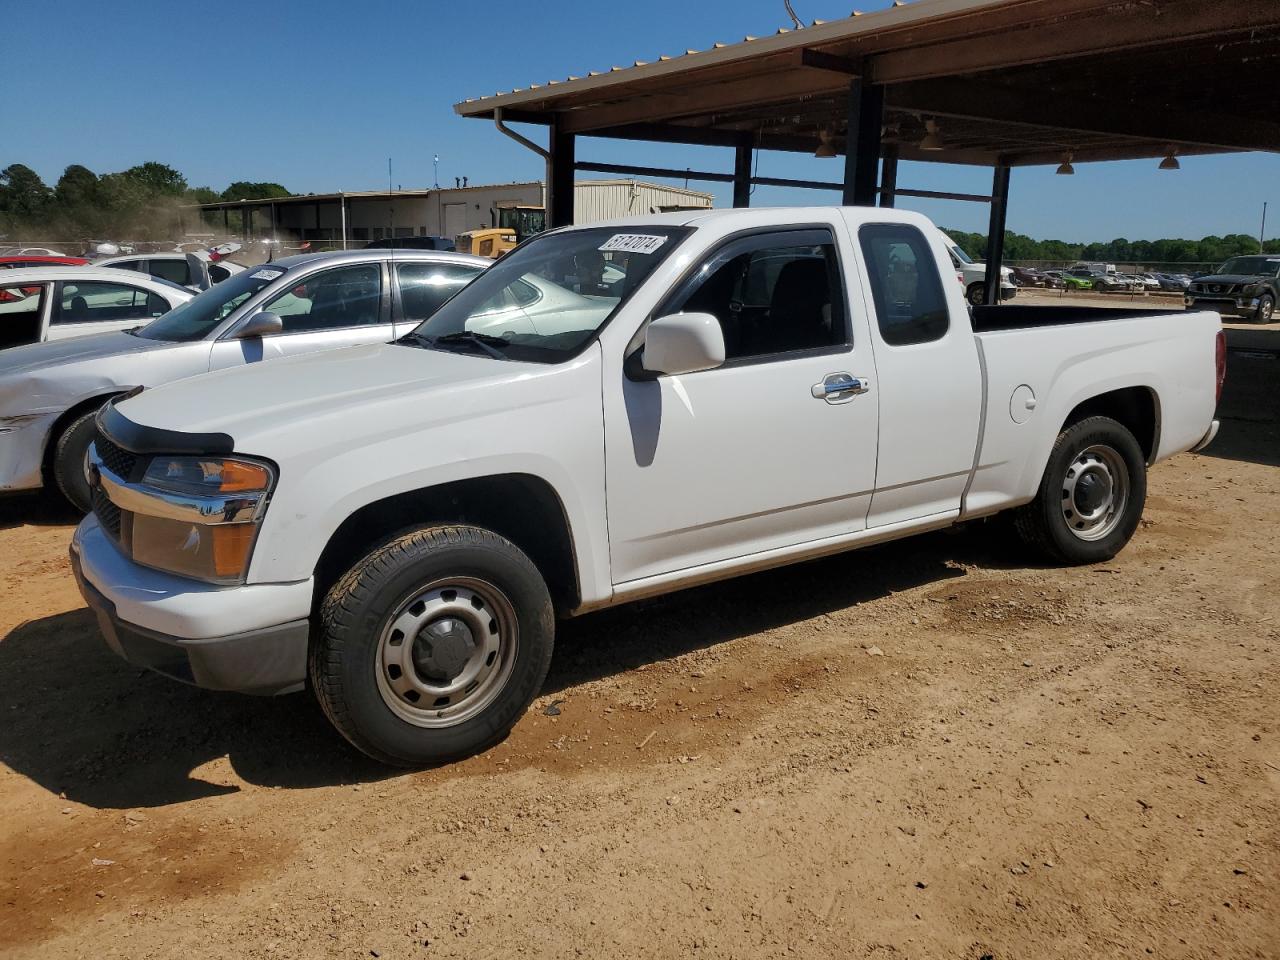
x=608, y=413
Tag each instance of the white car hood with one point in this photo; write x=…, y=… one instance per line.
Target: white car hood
x=270, y=408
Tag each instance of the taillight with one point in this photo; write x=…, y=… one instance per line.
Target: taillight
x=1221, y=362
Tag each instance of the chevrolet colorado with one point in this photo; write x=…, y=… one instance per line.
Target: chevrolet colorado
x=607, y=413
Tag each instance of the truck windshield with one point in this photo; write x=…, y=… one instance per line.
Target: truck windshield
x=1251, y=267
x=200, y=316
x=545, y=300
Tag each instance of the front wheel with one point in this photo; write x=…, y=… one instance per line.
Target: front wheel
x=1266, y=309
x=431, y=648
x=69, y=455
x=977, y=294
x=1091, y=496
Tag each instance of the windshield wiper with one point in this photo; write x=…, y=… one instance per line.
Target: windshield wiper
x=487, y=342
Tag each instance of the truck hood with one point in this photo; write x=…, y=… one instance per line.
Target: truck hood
x=385, y=383
x=1226, y=278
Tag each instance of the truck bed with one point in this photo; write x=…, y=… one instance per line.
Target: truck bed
x=1024, y=316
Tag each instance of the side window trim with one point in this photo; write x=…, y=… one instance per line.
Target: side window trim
x=771, y=237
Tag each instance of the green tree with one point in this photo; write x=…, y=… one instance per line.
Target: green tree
x=249, y=190
x=23, y=195
x=76, y=187
x=157, y=178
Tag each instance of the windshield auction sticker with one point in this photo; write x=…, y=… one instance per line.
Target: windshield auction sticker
x=266, y=274
x=633, y=243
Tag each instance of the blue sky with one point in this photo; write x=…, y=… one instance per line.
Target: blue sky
x=316, y=95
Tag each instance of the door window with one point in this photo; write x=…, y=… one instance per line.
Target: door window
x=94, y=301
x=20, y=312
x=175, y=271
x=906, y=288
x=773, y=294
x=333, y=299
x=425, y=286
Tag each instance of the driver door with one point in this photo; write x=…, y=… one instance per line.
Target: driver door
x=338, y=307
x=757, y=454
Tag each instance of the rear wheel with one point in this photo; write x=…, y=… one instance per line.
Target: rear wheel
x=1091, y=496
x=1266, y=309
x=432, y=647
x=69, y=455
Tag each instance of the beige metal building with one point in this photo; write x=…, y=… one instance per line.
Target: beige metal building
x=352, y=219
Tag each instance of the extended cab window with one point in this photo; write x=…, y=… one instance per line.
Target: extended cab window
x=425, y=286
x=92, y=301
x=773, y=293
x=910, y=305
x=332, y=299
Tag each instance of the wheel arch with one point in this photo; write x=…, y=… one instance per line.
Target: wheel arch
x=521, y=507
x=1136, y=408
x=67, y=417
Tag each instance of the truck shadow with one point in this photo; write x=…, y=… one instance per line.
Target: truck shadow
x=84, y=724
x=44, y=509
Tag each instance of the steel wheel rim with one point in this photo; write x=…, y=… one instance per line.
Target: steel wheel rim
x=1095, y=492
x=446, y=652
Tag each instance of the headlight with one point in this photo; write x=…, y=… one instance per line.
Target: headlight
x=194, y=516
x=200, y=476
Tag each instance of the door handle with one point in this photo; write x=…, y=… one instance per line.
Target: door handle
x=840, y=387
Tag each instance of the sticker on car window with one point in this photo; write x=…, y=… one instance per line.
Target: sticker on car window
x=633, y=243
x=266, y=274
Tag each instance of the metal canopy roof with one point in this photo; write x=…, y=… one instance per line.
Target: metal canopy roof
x=1007, y=82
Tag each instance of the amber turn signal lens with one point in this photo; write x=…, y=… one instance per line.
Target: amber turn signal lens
x=231, y=545
x=238, y=477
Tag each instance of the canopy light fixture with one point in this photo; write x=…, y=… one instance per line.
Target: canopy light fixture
x=826, y=149
x=1065, y=169
x=932, y=138
x=1170, y=161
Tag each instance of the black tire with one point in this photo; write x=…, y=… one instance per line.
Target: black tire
x=1266, y=309
x=1043, y=523
x=68, y=460
x=977, y=293
x=346, y=667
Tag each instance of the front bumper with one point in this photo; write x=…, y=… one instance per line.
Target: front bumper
x=22, y=443
x=250, y=639
x=1231, y=306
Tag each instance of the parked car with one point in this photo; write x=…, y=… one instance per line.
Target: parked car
x=1174, y=281
x=297, y=305
x=1245, y=287
x=1081, y=278
x=33, y=252
x=401, y=522
x=975, y=275
x=197, y=270
x=57, y=303
x=28, y=262
x=1027, y=277
x=411, y=243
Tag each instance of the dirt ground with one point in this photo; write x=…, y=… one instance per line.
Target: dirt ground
x=929, y=749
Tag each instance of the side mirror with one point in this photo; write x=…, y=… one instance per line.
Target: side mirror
x=262, y=324
x=683, y=343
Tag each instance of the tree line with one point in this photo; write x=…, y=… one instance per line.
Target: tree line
x=138, y=203
x=1019, y=247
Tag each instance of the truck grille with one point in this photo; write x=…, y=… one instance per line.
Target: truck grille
x=115, y=458
x=108, y=513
